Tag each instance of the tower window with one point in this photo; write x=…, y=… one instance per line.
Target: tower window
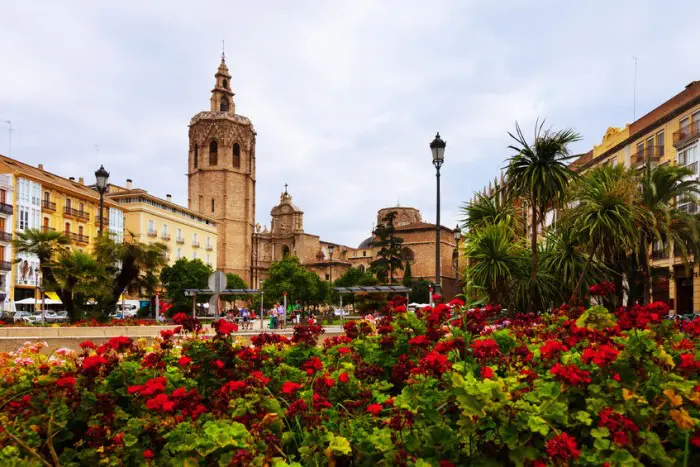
x=196, y=156
x=236, y=155
x=213, y=153
x=212, y=205
x=224, y=83
x=223, y=106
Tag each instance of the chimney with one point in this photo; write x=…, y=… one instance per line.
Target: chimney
x=128, y=184
x=41, y=166
x=169, y=197
x=72, y=179
x=81, y=180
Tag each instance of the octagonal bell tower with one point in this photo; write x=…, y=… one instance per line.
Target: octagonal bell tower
x=221, y=174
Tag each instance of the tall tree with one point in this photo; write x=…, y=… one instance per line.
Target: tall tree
x=288, y=275
x=492, y=208
x=184, y=274
x=539, y=174
x=606, y=215
x=663, y=189
x=82, y=276
x=389, y=254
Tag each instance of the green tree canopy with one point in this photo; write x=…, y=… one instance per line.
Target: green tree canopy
x=389, y=254
x=234, y=281
x=184, y=274
x=288, y=275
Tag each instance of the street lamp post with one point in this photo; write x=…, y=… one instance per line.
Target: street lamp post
x=458, y=236
x=437, y=147
x=102, y=176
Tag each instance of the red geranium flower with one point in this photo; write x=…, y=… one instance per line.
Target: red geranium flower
x=485, y=348
x=374, y=409
x=290, y=387
x=233, y=386
x=218, y=364
x=602, y=356
x=167, y=333
x=87, y=345
x=184, y=360
x=148, y=454
x=419, y=341
x=562, y=447
x=570, y=374
x=67, y=382
x=486, y=372
x=93, y=363
x=552, y=348
x=435, y=363
x=224, y=328
x=343, y=377
x=312, y=365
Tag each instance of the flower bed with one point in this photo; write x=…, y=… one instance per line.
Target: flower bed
x=435, y=388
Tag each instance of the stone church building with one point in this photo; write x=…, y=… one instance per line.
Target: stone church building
x=221, y=185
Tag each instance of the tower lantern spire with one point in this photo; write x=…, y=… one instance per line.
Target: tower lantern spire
x=221, y=95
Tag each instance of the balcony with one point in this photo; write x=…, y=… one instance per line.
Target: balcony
x=48, y=205
x=687, y=135
x=180, y=241
x=5, y=237
x=72, y=212
x=97, y=220
x=152, y=233
x=659, y=254
x=210, y=248
x=648, y=154
x=195, y=244
x=165, y=237
x=5, y=266
x=78, y=238
x=6, y=208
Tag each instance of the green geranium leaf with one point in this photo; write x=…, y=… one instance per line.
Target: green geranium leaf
x=538, y=425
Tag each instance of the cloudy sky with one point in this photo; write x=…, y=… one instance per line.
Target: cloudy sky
x=345, y=95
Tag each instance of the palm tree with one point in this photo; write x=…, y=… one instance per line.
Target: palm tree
x=538, y=173
x=46, y=246
x=493, y=255
x=133, y=266
x=606, y=216
x=82, y=276
x=493, y=208
x=662, y=189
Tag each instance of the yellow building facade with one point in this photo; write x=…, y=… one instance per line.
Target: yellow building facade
x=150, y=219
x=33, y=198
x=669, y=134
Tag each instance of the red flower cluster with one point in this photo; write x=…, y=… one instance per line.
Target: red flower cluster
x=264, y=338
x=184, y=360
x=602, y=356
x=485, y=348
x=570, y=374
x=188, y=323
x=224, y=328
x=420, y=341
x=290, y=387
x=602, y=289
x=552, y=349
x=307, y=334
x=620, y=426
x=688, y=364
x=312, y=365
x=67, y=382
x=93, y=363
x=233, y=386
x=434, y=363
x=486, y=372
x=149, y=388
x=562, y=447
x=343, y=377
x=374, y=409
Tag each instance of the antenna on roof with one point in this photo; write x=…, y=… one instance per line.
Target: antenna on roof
x=634, y=99
x=223, y=50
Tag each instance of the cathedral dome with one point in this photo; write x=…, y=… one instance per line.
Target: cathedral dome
x=366, y=243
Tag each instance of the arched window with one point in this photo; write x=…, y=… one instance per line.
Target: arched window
x=407, y=254
x=285, y=251
x=236, y=155
x=213, y=153
x=224, y=83
x=212, y=205
x=223, y=106
x=362, y=268
x=196, y=156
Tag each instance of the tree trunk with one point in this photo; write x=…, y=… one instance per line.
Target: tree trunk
x=646, y=277
x=533, y=269
x=574, y=296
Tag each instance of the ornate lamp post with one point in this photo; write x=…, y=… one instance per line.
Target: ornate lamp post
x=458, y=236
x=102, y=176
x=437, y=147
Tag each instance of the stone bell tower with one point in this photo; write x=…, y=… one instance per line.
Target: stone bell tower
x=221, y=175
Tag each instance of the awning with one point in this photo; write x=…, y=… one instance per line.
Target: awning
x=372, y=288
x=52, y=296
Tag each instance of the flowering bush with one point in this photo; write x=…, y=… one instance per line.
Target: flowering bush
x=602, y=289
x=445, y=386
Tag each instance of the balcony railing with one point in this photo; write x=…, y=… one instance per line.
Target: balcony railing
x=659, y=254
x=97, y=220
x=72, y=212
x=180, y=241
x=5, y=265
x=650, y=153
x=6, y=208
x=165, y=237
x=152, y=233
x=5, y=237
x=687, y=134
x=195, y=244
x=210, y=248
x=79, y=238
x=48, y=205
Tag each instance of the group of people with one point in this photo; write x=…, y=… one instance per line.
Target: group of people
x=242, y=316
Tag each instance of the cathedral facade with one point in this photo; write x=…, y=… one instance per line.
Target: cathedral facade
x=221, y=185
